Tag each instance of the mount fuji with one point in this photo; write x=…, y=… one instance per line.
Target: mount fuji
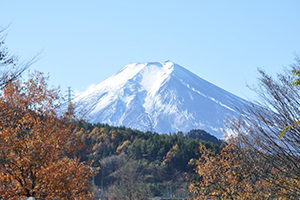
x=159, y=96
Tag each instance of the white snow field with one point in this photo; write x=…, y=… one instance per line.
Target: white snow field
x=159, y=96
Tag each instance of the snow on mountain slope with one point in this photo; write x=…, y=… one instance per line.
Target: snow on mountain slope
x=162, y=97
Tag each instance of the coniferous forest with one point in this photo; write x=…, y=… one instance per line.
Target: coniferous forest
x=142, y=164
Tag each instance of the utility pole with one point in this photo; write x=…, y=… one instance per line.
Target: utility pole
x=69, y=94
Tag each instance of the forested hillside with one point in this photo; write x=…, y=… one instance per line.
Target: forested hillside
x=142, y=164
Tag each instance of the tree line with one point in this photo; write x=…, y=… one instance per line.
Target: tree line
x=131, y=159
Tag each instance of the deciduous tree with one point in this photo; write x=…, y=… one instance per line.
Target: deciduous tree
x=271, y=129
x=37, y=147
x=262, y=161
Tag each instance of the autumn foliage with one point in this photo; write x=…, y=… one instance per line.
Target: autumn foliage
x=231, y=175
x=38, y=149
x=263, y=159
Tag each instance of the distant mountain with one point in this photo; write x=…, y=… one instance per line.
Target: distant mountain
x=159, y=96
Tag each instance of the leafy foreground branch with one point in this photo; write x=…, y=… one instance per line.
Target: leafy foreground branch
x=38, y=150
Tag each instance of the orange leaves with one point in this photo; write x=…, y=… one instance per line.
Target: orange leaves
x=66, y=178
x=221, y=175
x=231, y=175
x=171, y=154
x=37, y=149
x=124, y=145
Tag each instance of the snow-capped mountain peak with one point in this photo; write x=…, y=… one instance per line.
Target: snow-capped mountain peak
x=158, y=96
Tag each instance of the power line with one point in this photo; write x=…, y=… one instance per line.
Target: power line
x=70, y=94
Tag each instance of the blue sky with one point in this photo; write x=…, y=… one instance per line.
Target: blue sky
x=85, y=42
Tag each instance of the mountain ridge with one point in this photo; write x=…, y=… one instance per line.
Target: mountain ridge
x=159, y=96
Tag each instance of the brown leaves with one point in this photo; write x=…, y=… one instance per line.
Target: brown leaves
x=37, y=148
x=69, y=181
x=231, y=175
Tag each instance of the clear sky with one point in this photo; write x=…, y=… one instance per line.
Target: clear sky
x=85, y=42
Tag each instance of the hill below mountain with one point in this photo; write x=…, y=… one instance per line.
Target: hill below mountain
x=142, y=163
